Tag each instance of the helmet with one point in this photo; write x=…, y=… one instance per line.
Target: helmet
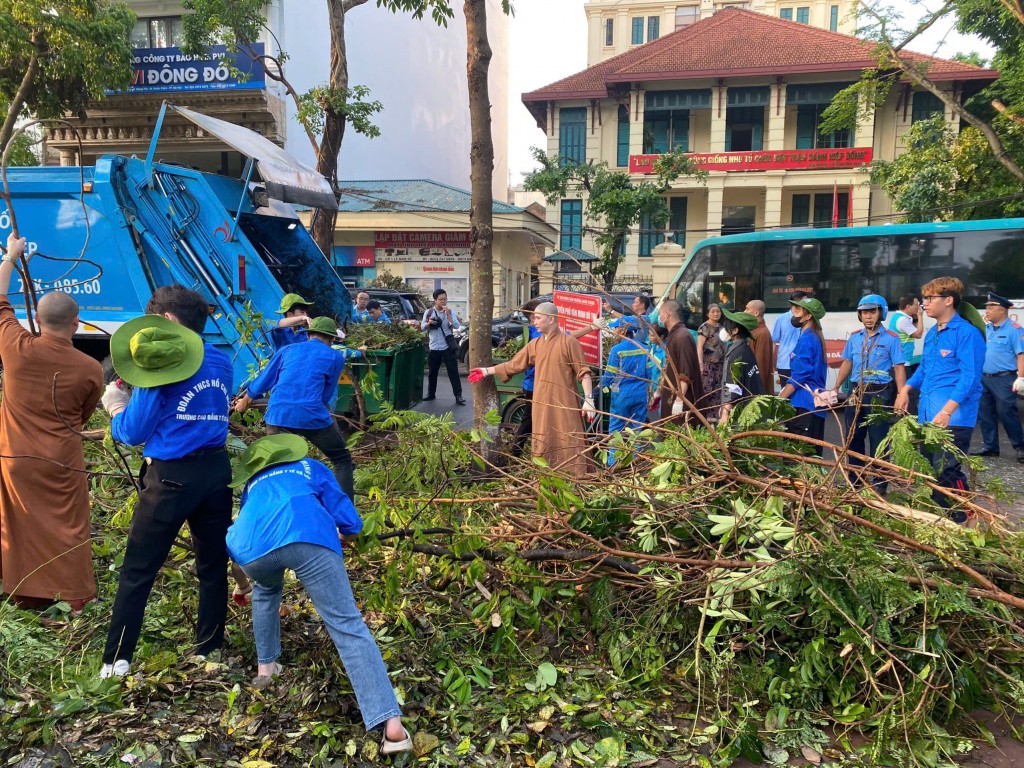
x=874, y=301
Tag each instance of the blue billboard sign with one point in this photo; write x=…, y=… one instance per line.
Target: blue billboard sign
x=158, y=70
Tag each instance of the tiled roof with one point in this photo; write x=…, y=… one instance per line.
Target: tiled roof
x=409, y=196
x=571, y=254
x=736, y=43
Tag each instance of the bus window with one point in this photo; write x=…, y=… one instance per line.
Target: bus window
x=938, y=252
x=735, y=276
x=690, y=288
x=844, y=279
x=805, y=258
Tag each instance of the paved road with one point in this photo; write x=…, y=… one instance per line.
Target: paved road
x=1003, y=469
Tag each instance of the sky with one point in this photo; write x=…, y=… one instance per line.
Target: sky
x=548, y=40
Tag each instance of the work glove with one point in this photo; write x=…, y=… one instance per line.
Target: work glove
x=241, y=595
x=1018, y=386
x=589, y=410
x=677, y=407
x=114, y=398
x=476, y=375
x=599, y=324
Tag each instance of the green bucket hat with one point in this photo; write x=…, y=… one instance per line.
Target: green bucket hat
x=150, y=351
x=266, y=452
x=326, y=326
x=745, y=319
x=815, y=307
x=289, y=300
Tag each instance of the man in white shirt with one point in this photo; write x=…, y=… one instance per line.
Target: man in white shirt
x=440, y=322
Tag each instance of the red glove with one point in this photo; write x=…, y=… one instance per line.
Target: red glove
x=477, y=374
x=241, y=596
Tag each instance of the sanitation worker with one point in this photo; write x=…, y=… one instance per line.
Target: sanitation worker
x=50, y=391
x=559, y=436
x=627, y=378
x=179, y=412
x=303, y=384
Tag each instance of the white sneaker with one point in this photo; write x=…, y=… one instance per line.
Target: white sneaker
x=119, y=668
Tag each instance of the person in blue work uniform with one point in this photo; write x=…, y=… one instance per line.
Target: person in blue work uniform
x=179, y=412
x=807, y=369
x=627, y=379
x=949, y=380
x=741, y=374
x=303, y=384
x=873, y=362
x=1002, y=378
x=292, y=513
x=525, y=427
x=785, y=335
x=377, y=313
x=292, y=327
x=361, y=309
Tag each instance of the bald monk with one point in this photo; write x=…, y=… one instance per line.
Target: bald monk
x=50, y=390
x=762, y=344
x=559, y=436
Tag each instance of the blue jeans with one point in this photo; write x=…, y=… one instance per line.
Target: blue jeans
x=323, y=575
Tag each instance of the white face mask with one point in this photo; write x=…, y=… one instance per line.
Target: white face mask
x=724, y=335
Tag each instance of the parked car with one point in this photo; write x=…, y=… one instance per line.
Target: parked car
x=398, y=305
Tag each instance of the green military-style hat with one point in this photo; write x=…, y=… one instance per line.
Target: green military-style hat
x=150, y=351
x=745, y=319
x=815, y=307
x=290, y=300
x=971, y=314
x=325, y=326
x=268, y=451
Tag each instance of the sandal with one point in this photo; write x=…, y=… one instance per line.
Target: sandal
x=262, y=681
x=389, y=747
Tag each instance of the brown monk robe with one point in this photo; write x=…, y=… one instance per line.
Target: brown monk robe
x=559, y=436
x=50, y=390
x=681, y=364
x=763, y=346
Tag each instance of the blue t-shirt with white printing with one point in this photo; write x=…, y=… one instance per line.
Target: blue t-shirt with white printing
x=176, y=419
x=299, y=501
x=303, y=383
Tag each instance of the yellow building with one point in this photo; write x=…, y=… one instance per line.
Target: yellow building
x=743, y=92
x=419, y=230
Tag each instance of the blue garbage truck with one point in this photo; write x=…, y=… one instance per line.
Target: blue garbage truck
x=110, y=234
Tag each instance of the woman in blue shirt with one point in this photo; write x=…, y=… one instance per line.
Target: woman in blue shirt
x=292, y=512
x=807, y=369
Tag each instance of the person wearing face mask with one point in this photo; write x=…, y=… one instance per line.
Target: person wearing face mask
x=711, y=341
x=741, y=375
x=807, y=369
x=874, y=363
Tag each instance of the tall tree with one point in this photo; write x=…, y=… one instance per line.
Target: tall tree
x=615, y=204
x=56, y=55
x=324, y=112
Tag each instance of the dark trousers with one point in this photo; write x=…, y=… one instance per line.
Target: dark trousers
x=948, y=471
x=783, y=376
x=810, y=424
x=525, y=428
x=915, y=396
x=434, y=360
x=999, y=404
x=331, y=442
x=195, y=490
x=861, y=433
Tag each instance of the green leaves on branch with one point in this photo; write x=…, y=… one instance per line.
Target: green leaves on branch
x=351, y=103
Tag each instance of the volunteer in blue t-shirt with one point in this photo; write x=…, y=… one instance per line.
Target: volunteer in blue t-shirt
x=179, y=412
x=292, y=512
x=949, y=380
x=303, y=384
x=292, y=327
x=873, y=362
x=785, y=334
x=807, y=369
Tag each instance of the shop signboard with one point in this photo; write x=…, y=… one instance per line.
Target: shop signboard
x=157, y=70
x=354, y=256
x=782, y=160
x=430, y=241
x=578, y=310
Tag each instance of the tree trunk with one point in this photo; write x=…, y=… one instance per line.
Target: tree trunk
x=334, y=126
x=481, y=156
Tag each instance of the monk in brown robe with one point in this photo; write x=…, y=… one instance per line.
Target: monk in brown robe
x=762, y=344
x=50, y=390
x=681, y=381
x=559, y=436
